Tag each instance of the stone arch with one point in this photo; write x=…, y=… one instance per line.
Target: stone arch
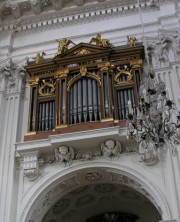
x=69, y=179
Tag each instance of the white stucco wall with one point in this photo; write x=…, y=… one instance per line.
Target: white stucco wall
x=17, y=194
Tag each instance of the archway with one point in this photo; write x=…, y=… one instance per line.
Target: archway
x=103, y=202
x=125, y=182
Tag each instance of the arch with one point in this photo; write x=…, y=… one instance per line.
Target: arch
x=79, y=76
x=84, y=99
x=60, y=182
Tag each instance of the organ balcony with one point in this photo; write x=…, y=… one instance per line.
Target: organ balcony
x=84, y=88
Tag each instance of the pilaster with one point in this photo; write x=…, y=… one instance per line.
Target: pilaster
x=10, y=97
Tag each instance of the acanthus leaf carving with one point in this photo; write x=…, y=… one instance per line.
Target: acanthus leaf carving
x=15, y=76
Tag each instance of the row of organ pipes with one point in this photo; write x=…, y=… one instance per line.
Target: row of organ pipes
x=84, y=102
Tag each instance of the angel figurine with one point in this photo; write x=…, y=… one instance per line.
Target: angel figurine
x=111, y=148
x=64, y=155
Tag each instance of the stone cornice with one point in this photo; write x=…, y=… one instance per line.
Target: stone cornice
x=53, y=140
x=96, y=11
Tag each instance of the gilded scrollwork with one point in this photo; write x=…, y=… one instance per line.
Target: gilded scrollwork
x=34, y=81
x=61, y=73
x=136, y=63
x=123, y=72
x=106, y=66
x=47, y=84
x=82, y=51
x=83, y=73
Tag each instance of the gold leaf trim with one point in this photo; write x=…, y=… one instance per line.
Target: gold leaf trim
x=61, y=73
x=49, y=84
x=107, y=66
x=82, y=51
x=136, y=63
x=61, y=126
x=126, y=72
x=30, y=133
x=107, y=120
x=83, y=73
x=33, y=81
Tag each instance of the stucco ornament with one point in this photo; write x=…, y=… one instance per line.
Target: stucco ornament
x=64, y=155
x=15, y=75
x=30, y=165
x=111, y=148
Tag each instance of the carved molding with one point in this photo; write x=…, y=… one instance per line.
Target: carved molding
x=93, y=11
x=30, y=165
x=15, y=76
x=164, y=49
x=103, y=173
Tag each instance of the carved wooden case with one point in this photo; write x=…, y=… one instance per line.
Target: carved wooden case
x=85, y=88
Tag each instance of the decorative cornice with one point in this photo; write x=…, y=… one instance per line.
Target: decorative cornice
x=86, y=12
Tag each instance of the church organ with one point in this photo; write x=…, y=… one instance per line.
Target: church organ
x=87, y=87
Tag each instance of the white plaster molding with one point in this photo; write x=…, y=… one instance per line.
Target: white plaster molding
x=80, y=14
x=16, y=10
x=46, y=186
x=68, y=137
x=36, y=6
x=30, y=165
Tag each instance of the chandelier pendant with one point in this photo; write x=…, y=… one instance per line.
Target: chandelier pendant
x=155, y=124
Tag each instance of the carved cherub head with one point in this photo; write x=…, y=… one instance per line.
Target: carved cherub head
x=111, y=148
x=110, y=144
x=63, y=150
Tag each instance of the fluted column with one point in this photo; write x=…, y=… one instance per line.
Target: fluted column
x=12, y=87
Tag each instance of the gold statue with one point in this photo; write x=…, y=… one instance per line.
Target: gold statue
x=101, y=42
x=63, y=46
x=131, y=41
x=38, y=57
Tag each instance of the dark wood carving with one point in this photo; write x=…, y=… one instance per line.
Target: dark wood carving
x=87, y=87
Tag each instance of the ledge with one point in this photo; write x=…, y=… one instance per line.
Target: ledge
x=83, y=140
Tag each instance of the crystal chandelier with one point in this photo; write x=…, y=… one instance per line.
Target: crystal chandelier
x=151, y=124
